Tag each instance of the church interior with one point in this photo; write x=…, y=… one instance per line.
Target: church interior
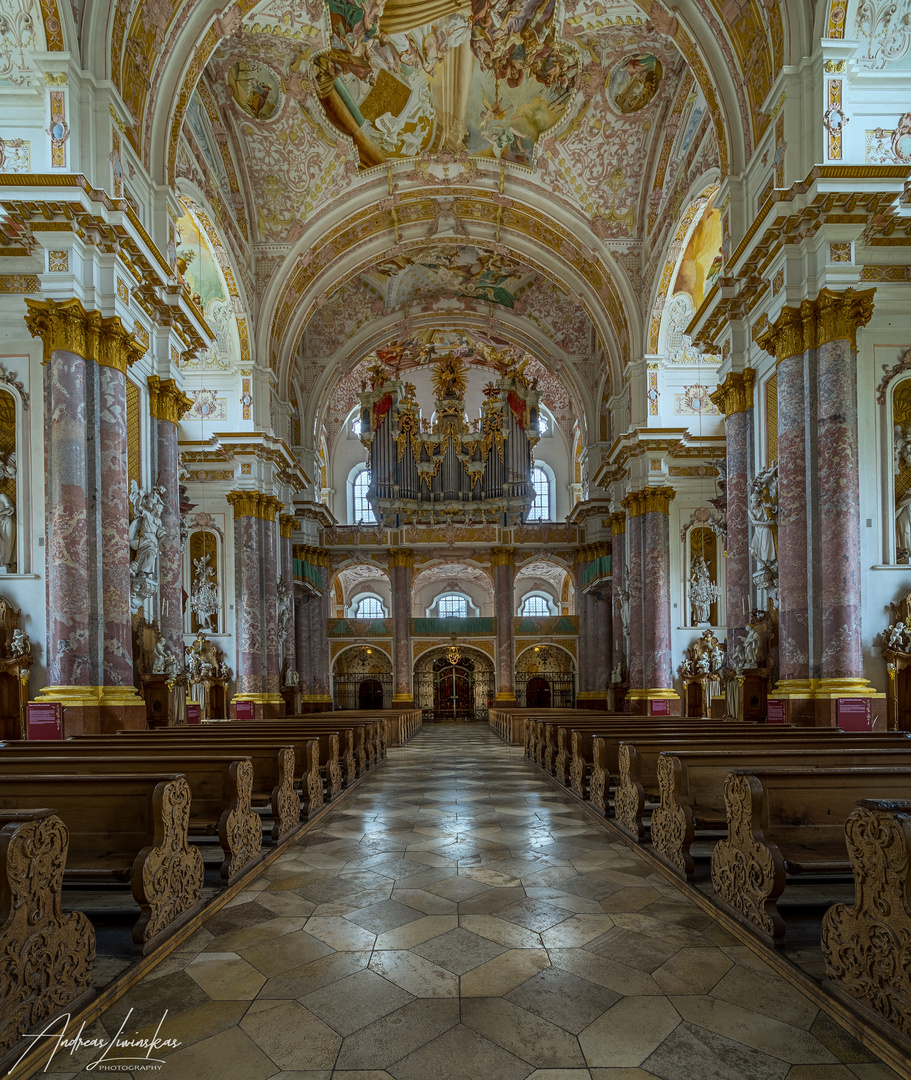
x=455, y=539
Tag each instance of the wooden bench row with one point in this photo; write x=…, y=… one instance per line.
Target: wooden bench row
x=773, y=806
x=132, y=809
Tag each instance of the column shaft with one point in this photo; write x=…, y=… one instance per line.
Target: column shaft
x=504, y=572
x=401, y=562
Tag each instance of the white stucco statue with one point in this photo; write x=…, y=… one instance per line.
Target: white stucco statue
x=7, y=530
x=146, y=535
x=703, y=592
x=763, y=513
x=903, y=527
x=204, y=600
x=901, y=447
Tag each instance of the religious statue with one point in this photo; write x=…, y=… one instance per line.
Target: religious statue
x=204, y=600
x=703, y=592
x=146, y=535
x=285, y=607
x=164, y=662
x=903, y=527
x=20, y=646
x=747, y=652
x=763, y=514
x=8, y=466
x=616, y=675
x=7, y=531
x=624, y=610
x=292, y=679
x=901, y=447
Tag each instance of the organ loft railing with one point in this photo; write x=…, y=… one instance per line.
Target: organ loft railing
x=451, y=469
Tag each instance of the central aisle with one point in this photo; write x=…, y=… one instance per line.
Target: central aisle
x=458, y=918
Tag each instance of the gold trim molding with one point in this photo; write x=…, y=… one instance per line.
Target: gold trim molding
x=617, y=523
x=65, y=325
x=166, y=400
x=590, y=552
x=832, y=316
x=656, y=693
x=260, y=699
x=650, y=500
x=92, y=696
x=316, y=556
x=735, y=394
x=824, y=688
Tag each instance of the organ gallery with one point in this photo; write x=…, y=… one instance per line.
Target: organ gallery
x=455, y=498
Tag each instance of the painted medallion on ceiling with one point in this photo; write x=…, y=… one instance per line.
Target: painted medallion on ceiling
x=402, y=78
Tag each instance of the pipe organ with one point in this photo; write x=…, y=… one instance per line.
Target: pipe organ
x=452, y=468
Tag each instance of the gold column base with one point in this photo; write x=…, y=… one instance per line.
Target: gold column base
x=403, y=699
x=506, y=695
x=658, y=693
x=824, y=688
x=260, y=699
x=318, y=698
x=92, y=696
x=591, y=695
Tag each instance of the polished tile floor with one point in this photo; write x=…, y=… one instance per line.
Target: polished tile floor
x=458, y=918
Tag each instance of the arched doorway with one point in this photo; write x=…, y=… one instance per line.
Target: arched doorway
x=370, y=694
x=454, y=685
x=538, y=693
x=362, y=679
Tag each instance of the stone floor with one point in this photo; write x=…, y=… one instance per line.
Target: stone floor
x=458, y=918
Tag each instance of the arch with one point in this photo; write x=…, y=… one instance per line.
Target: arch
x=544, y=483
x=361, y=599
x=523, y=607
x=457, y=598
x=378, y=647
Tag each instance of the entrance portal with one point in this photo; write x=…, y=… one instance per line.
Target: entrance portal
x=453, y=687
x=538, y=694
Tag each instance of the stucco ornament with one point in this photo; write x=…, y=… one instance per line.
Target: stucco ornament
x=763, y=513
x=703, y=591
x=204, y=600
x=146, y=536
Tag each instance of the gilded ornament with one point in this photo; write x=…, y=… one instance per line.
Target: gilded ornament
x=166, y=400
x=735, y=394
x=65, y=325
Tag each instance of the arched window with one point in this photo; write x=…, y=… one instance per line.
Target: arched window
x=540, y=508
x=452, y=606
x=534, y=605
x=369, y=607
x=361, y=510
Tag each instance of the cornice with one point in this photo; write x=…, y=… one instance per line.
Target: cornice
x=254, y=504
x=65, y=325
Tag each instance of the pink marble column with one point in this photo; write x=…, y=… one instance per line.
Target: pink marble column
x=321, y=679
x=249, y=630
x=650, y=602
x=302, y=642
x=270, y=567
x=634, y=585
x=504, y=572
x=167, y=404
x=838, y=492
x=75, y=619
x=619, y=578
x=90, y=653
x=584, y=611
x=114, y=504
x=793, y=509
x=401, y=561
x=735, y=399
x=288, y=634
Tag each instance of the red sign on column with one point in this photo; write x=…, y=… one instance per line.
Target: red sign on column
x=194, y=712
x=854, y=714
x=660, y=708
x=244, y=710
x=775, y=712
x=45, y=720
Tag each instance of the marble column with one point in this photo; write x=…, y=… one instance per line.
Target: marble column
x=504, y=571
x=594, y=632
x=656, y=695
x=619, y=578
x=634, y=588
x=287, y=631
x=302, y=606
x=90, y=653
x=321, y=676
x=734, y=397
x=584, y=613
x=255, y=603
x=401, y=563
x=167, y=404
x=270, y=506
x=820, y=655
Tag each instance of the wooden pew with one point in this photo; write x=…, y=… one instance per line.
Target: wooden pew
x=864, y=944
x=306, y=752
x=786, y=822
x=691, y=784
x=370, y=745
x=637, y=778
x=577, y=758
x=336, y=749
x=126, y=829
x=220, y=787
x=273, y=766
x=47, y=955
x=583, y=749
